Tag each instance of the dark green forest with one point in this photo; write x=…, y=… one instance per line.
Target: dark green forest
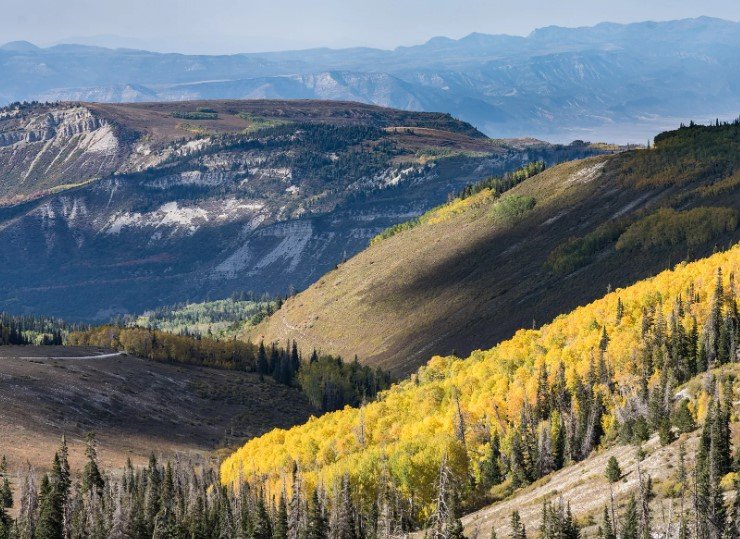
x=329, y=382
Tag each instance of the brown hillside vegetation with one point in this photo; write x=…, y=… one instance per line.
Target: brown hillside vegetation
x=477, y=269
x=134, y=406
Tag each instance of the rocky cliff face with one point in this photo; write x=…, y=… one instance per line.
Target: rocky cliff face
x=54, y=146
x=111, y=211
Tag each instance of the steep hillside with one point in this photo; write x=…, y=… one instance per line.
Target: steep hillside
x=120, y=208
x=134, y=406
x=606, y=373
x=473, y=271
x=585, y=487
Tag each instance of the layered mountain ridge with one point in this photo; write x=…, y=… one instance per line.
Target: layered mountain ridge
x=621, y=82
x=111, y=209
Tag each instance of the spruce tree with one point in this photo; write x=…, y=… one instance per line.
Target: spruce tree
x=491, y=467
x=317, y=526
x=630, y=523
x=262, y=366
x=518, y=531
x=280, y=529
x=92, y=479
x=613, y=472
x=164, y=521
x=6, y=494
x=343, y=521
x=682, y=418
x=295, y=510
x=262, y=528
x=608, y=528
x=51, y=511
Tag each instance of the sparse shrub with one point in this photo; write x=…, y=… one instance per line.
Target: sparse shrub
x=196, y=115
x=729, y=481
x=577, y=252
x=513, y=207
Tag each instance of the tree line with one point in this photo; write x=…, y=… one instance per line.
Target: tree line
x=500, y=184
x=328, y=381
x=25, y=330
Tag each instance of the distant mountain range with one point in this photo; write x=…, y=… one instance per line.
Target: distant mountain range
x=610, y=81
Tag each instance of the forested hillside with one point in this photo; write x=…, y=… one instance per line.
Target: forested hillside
x=135, y=206
x=513, y=251
x=221, y=319
x=606, y=373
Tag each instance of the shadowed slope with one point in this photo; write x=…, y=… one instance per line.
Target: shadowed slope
x=476, y=270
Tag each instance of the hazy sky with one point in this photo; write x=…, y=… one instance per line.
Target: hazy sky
x=225, y=26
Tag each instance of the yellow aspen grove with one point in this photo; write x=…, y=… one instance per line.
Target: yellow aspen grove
x=567, y=387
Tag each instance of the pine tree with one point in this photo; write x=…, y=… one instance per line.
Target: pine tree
x=630, y=521
x=491, y=473
x=613, y=472
x=518, y=531
x=280, y=529
x=317, y=527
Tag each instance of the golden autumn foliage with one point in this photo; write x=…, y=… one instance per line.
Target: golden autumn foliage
x=451, y=405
